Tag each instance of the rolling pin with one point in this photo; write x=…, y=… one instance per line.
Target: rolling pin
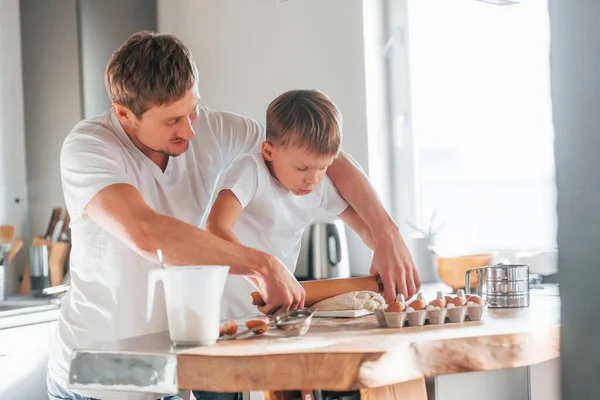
x=326, y=288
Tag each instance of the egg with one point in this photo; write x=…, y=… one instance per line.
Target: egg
x=476, y=299
x=417, y=305
x=396, y=307
x=438, y=303
x=448, y=299
x=459, y=301
x=467, y=296
x=255, y=323
x=229, y=328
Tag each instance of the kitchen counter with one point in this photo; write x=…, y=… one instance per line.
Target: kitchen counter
x=19, y=311
x=336, y=354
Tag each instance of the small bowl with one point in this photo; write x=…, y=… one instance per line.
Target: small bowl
x=452, y=270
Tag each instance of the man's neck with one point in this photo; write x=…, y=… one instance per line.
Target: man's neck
x=160, y=159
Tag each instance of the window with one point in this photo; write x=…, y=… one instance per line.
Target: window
x=481, y=123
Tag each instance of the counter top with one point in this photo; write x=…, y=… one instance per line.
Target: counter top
x=25, y=310
x=336, y=354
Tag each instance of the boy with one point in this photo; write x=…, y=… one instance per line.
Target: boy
x=267, y=200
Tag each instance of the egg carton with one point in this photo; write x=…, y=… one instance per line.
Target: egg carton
x=431, y=315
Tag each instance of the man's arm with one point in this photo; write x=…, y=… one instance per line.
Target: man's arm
x=354, y=221
x=391, y=258
x=122, y=211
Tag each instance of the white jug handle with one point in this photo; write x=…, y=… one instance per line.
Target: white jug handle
x=154, y=276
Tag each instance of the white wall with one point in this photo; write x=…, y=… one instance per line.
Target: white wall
x=102, y=32
x=13, y=174
x=248, y=52
x=52, y=93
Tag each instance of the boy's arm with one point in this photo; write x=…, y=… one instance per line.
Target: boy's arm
x=225, y=211
x=354, y=221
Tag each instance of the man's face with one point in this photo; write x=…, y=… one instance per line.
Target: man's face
x=166, y=129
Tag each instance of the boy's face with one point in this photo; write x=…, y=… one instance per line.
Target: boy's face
x=295, y=168
x=163, y=129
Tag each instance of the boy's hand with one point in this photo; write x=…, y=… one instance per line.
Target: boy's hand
x=280, y=290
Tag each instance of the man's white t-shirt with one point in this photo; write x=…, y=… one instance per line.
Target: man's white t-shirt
x=272, y=220
x=107, y=300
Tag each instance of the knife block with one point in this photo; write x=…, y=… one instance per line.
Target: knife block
x=57, y=255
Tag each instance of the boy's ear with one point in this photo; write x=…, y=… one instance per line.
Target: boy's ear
x=268, y=150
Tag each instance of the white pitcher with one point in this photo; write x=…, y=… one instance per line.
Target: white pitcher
x=193, y=301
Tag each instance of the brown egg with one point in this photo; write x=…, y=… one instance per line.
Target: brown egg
x=448, y=299
x=476, y=300
x=417, y=305
x=255, y=323
x=467, y=296
x=396, y=307
x=438, y=303
x=229, y=328
x=459, y=301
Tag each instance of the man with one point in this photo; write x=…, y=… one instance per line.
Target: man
x=140, y=177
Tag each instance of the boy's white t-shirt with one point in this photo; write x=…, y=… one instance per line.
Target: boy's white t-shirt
x=272, y=220
x=107, y=300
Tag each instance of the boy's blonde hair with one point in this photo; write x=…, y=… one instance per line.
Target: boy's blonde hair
x=150, y=69
x=306, y=119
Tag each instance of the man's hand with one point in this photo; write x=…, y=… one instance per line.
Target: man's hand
x=280, y=289
x=393, y=262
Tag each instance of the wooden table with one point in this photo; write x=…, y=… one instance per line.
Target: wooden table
x=335, y=354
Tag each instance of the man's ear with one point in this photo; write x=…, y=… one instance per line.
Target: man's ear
x=268, y=150
x=125, y=116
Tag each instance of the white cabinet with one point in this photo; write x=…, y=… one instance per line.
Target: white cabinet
x=23, y=361
x=537, y=382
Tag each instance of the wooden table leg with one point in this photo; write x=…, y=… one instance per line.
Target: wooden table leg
x=410, y=390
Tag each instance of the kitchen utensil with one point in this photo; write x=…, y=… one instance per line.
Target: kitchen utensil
x=14, y=250
x=324, y=252
x=57, y=258
x=193, y=300
x=5, y=249
x=291, y=323
x=159, y=255
x=326, y=288
x=7, y=233
x=38, y=268
x=64, y=235
x=452, y=269
x=56, y=289
x=507, y=285
x=3, y=282
x=55, y=216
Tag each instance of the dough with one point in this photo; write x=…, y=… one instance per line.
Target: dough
x=358, y=300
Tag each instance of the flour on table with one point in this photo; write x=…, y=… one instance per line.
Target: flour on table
x=357, y=300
